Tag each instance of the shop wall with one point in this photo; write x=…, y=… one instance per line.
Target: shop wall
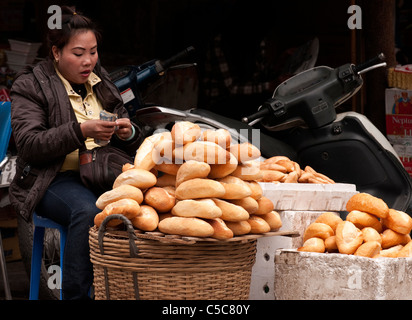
x=137, y=31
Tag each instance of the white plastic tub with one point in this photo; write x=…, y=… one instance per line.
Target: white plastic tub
x=309, y=196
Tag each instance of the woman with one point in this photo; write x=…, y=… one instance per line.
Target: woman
x=55, y=110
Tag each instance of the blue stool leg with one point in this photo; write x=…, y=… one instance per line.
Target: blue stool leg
x=63, y=235
x=36, y=259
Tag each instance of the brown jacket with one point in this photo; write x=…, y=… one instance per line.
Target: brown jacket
x=46, y=130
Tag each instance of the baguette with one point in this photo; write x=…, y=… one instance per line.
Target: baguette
x=230, y=211
x=318, y=177
x=272, y=167
x=258, y=224
x=169, y=168
x=164, y=148
x=273, y=175
x=368, y=203
x=273, y=219
x=406, y=251
x=362, y=219
x=330, y=244
x=265, y=205
x=313, y=245
x=127, y=207
x=221, y=230
x=235, y=188
x=159, y=199
x=288, y=164
x=348, y=237
x=147, y=220
x=192, y=227
x=221, y=137
x=318, y=230
x=398, y=221
x=121, y=192
x=137, y=177
x=368, y=249
x=239, y=228
x=392, y=238
x=127, y=166
x=201, y=208
x=370, y=234
x=204, y=151
x=329, y=218
x=275, y=159
x=248, y=171
x=247, y=203
x=244, y=151
x=223, y=169
x=170, y=190
x=256, y=189
x=199, y=188
x=184, y=132
x=292, y=177
x=192, y=169
x=166, y=180
x=147, y=155
x=391, y=252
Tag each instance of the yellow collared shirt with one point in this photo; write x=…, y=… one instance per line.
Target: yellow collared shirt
x=84, y=109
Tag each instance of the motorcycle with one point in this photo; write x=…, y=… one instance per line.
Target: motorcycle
x=300, y=121
x=347, y=146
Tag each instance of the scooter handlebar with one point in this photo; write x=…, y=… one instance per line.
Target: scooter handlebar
x=376, y=61
x=179, y=56
x=261, y=113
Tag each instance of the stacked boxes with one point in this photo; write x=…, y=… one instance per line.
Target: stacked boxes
x=21, y=53
x=398, y=102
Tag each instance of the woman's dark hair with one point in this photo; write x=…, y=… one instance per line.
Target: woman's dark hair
x=72, y=22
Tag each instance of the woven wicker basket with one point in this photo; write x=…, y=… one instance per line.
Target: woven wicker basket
x=129, y=266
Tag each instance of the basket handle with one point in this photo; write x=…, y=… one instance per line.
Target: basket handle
x=130, y=231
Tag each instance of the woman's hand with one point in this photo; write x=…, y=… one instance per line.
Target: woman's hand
x=98, y=129
x=124, y=130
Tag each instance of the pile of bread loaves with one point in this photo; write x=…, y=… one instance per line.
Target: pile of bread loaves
x=280, y=169
x=192, y=183
x=371, y=229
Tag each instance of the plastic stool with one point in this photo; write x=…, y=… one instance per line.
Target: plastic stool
x=5, y=133
x=40, y=223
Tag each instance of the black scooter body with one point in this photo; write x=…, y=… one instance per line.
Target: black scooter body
x=348, y=152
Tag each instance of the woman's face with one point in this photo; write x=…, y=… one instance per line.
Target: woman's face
x=78, y=57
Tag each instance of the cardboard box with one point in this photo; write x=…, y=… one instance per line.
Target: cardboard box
x=5, y=95
x=8, y=172
x=10, y=241
x=398, y=104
